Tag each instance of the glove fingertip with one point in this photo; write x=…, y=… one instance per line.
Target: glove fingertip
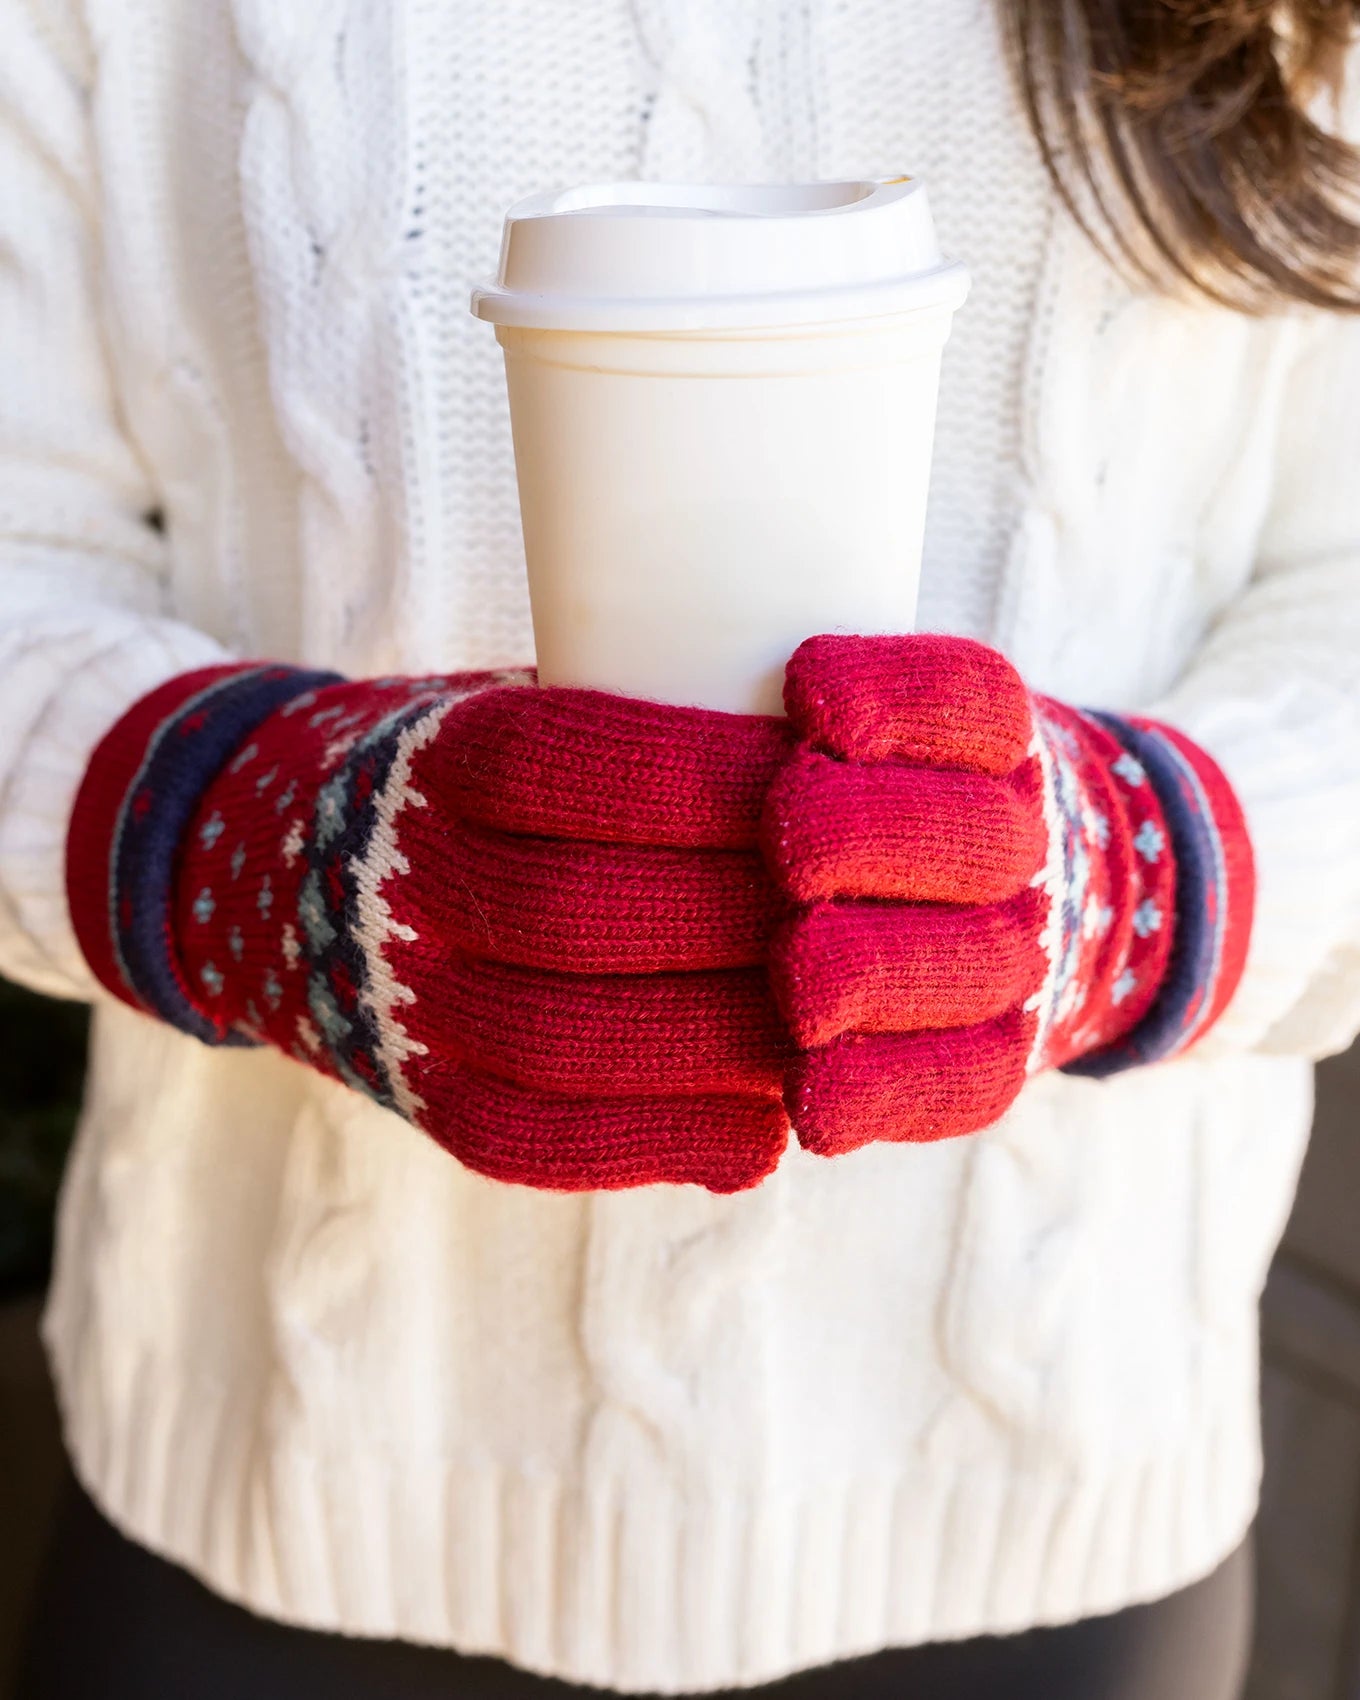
x=759, y=1143
x=908, y=1088
x=936, y=699
x=827, y=1121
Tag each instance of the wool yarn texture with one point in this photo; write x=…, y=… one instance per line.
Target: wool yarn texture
x=987, y=886
x=387, y=882
x=587, y=942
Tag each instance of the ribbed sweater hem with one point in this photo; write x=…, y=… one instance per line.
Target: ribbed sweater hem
x=627, y=1583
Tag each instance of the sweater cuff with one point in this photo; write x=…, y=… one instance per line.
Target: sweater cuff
x=1215, y=898
x=135, y=802
x=69, y=684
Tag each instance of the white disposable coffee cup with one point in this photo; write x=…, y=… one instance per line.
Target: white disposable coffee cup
x=723, y=406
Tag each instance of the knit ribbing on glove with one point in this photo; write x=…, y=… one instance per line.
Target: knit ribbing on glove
x=987, y=884
x=545, y=950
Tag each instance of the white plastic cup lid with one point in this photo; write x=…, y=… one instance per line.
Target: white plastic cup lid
x=672, y=257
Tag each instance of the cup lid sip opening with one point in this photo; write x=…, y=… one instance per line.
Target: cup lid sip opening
x=635, y=256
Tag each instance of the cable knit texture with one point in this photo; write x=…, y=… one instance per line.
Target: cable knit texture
x=656, y=1439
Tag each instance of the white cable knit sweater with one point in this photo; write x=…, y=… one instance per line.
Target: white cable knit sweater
x=656, y=1440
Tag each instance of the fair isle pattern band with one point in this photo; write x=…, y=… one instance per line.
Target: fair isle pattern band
x=385, y=997
x=1065, y=880
x=347, y=816
x=1214, y=904
x=182, y=757
x=280, y=876
x=1108, y=932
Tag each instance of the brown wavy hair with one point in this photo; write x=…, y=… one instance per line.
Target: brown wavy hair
x=1186, y=136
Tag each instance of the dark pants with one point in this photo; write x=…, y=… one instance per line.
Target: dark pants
x=113, y=1622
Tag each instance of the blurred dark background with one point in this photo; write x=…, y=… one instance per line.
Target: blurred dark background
x=1308, y=1624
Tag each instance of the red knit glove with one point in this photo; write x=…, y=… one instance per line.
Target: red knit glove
x=533, y=923
x=989, y=884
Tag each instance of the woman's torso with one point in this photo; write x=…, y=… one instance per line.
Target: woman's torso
x=658, y=1439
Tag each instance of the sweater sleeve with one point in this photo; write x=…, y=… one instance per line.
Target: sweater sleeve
x=1274, y=696
x=83, y=563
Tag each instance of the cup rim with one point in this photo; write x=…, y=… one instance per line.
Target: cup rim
x=944, y=288
x=639, y=256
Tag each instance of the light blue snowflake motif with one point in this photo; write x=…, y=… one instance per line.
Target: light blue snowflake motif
x=1149, y=841
x=212, y=979
x=238, y=861
x=1126, y=983
x=284, y=800
x=273, y=991
x=236, y=944
x=1147, y=918
x=265, y=901
x=322, y=715
x=211, y=830
x=247, y=755
x=204, y=904
x=312, y=913
x=1130, y=770
x=1098, y=919
x=265, y=780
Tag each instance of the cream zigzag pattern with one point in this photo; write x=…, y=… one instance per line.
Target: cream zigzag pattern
x=384, y=995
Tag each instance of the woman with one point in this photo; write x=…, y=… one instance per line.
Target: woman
x=436, y=1263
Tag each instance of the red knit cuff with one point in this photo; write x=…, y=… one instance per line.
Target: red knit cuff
x=1215, y=900
x=1113, y=934
x=93, y=828
x=125, y=839
x=1230, y=891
